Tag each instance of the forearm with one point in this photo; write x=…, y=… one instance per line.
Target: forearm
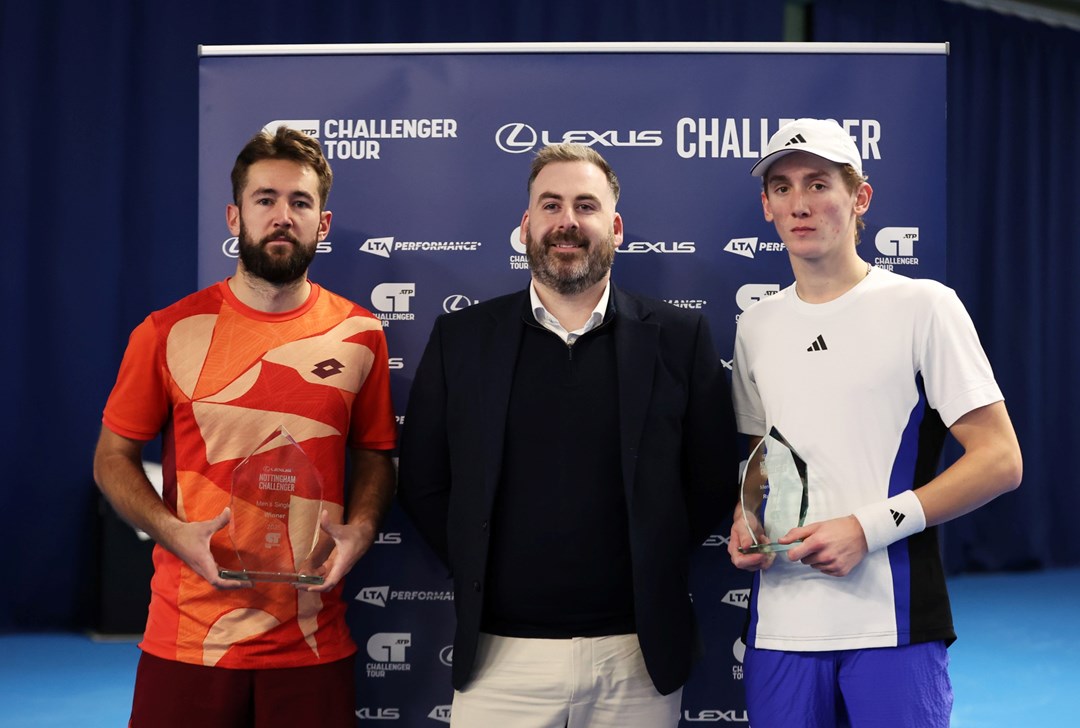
x=371, y=487
x=119, y=474
x=972, y=481
x=990, y=466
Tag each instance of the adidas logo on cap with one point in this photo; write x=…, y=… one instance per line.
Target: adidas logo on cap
x=821, y=137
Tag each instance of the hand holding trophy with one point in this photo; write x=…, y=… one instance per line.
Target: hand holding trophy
x=276, y=502
x=774, y=496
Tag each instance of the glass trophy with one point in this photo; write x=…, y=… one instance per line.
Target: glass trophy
x=276, y=502
x=774, y=493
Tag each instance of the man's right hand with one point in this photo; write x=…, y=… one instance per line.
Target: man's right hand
x=740, y=538
x=191, y=543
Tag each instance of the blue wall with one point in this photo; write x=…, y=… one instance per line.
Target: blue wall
x=98, y=113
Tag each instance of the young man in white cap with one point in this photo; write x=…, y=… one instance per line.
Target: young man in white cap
x=850, y=626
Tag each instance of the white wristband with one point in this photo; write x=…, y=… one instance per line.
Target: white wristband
x=889, y=521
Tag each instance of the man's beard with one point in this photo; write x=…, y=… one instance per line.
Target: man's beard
x=275, y=269
x=565, y=276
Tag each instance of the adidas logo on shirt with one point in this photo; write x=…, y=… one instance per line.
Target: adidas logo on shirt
x=797, y=139
x=897, y=517
x=818, y=344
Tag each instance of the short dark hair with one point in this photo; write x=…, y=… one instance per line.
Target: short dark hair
x=573, y=153
x=285, y=143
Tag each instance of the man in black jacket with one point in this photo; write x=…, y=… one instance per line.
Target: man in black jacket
x=564, y=449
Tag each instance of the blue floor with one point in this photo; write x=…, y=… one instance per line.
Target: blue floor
x=1016, y=664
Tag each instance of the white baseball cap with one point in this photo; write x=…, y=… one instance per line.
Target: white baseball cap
x=823, y=137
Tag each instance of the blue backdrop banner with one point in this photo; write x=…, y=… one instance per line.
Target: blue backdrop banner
x=431, y=147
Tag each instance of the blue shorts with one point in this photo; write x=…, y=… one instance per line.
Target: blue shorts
x=883, y=687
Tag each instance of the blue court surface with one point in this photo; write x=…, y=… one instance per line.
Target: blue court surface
x=1016, y=664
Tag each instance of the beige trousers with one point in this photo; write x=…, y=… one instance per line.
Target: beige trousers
x=583, y=682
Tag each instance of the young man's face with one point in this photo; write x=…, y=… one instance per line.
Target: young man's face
x=814, y=211
x=571, y=228
x=278, y=221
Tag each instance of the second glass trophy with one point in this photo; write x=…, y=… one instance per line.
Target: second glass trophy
x=774, y=496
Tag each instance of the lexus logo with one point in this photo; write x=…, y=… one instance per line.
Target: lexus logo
x=231, y=247
x=456, y=302
x=516, y=138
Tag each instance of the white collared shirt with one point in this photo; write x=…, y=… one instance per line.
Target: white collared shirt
x=549, y=322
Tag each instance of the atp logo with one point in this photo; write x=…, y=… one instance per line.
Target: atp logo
x=393, y=297
x=304, y=126
x=440, y=713
x=389, y=646
x=751, y=293
x=897, y=242
x=515, y=241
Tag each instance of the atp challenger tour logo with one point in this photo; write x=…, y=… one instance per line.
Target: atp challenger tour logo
x=387, y=652
x=518, y=260
x=898, y=244
x=364, y=138
x=392, y=300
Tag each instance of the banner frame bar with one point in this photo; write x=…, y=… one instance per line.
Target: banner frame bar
x=205, y=51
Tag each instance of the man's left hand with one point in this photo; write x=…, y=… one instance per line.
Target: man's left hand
x=351, y=541
x=833, y=547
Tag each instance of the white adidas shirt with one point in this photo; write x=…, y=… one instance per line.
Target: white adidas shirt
x=842, y=382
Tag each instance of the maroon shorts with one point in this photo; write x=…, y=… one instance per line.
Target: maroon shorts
x=170, y=694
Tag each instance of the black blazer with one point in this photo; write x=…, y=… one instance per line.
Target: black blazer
x=679, y=464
